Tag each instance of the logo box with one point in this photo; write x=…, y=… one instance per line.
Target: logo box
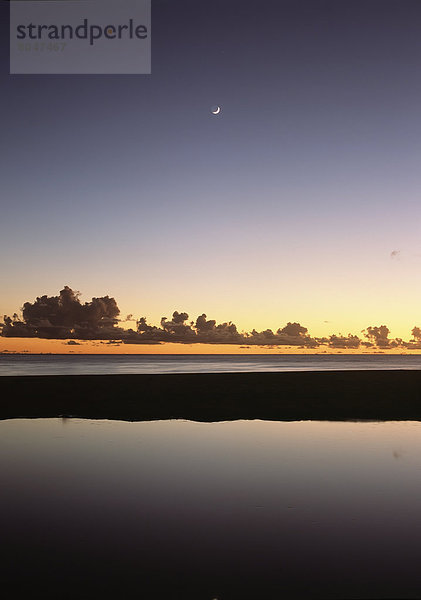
x=80, y=37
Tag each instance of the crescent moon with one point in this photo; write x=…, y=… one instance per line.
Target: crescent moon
x=216, y=110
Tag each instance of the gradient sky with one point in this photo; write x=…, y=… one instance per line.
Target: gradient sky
x=285, y=207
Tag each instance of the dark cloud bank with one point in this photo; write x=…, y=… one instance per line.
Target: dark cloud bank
x=66, y=317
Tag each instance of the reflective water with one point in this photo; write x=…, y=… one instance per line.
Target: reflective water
x=114, y=364
x=247, y=509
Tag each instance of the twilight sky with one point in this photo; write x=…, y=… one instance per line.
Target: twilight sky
x=299, y=202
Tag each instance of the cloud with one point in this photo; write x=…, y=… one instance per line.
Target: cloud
x=416, y=334
x=176, y=329
x=294, y=329
x=65, y=317
x=293, y=334
x=379, y=335
x=350, y=341
x=179, y=318
x=202, y=325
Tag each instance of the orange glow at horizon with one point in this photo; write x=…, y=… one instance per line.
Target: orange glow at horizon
x=43, y=346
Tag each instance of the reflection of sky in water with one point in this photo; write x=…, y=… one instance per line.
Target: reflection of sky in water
x=288, y=504
x=103, y=364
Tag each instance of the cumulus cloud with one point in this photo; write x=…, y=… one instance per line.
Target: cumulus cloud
x=202, y=325
x=378, y=335
x=416, y=334
x=293, y=329
x=65, y=317
x=179, y=318
x=415, y=342
x=176, y=329
x=340, y=341
x=292, y=334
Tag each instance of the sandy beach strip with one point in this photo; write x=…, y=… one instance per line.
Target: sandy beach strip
x=327, y=395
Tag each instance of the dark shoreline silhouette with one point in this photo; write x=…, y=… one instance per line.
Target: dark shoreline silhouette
x=322, y=395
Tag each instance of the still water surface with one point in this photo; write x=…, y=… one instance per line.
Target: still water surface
x=245, y=509
x=101, y=364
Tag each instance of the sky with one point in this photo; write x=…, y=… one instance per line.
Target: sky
x=300, y=201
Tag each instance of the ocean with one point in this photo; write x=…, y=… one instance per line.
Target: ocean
x=49, y=364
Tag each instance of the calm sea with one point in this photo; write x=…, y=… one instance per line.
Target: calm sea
x=48, y=364
x=245, y=510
